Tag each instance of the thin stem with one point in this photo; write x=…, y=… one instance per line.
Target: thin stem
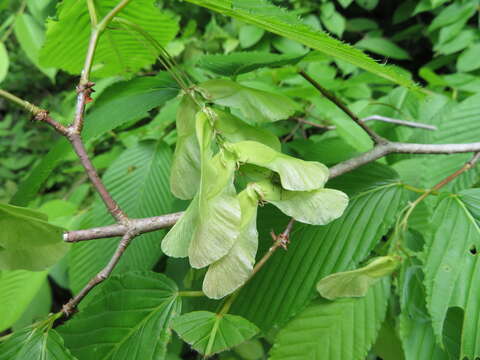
x=23, y=103
x=102, y=275
x=412, y=124
x=373, y=135
x=400, y=148
x=281, y=240
x=403, y=224
x=106, y=20
x=92, y=174
x=92, y=12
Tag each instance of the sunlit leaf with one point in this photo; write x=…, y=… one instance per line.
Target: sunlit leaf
x=129, y=319
x=452, y=270
x=119, y=50
x=341, y=330
x=284, y=23
x=210, y=333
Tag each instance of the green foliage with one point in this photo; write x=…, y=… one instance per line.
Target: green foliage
x=142, y=329
x=119, y=50
x=28, y=241
x=36, y=343
x=209, y=333
x=138, y=180
x=344, y=329
x=18, y=288
x=377, y=266
x=4, y=62
x=278, y=21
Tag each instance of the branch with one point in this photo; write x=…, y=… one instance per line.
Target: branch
x=142, y=226
x=92, y=174
x=412, y=124
x=400, y=148
x=69, y=307
x=377, y=139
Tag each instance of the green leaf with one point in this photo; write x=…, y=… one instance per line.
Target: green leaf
x=451, y=270
x=316, y=207
x=340, y=330
x=334, y=21
x=355, y=283
x=4, y=62
x=31, y=36
x=367, y=4
x=233, y=270
x=257, y=106
x=235, y=130
x=34, y=344
x=129, y=319
x=415, y=325
x=383, y=47
x=281, y=22
x=295, y=174
x=210, y=333
x=138, y=181
x=126, y=101
x=29, y=187
x=286, y=284
x=242, y=62
x=119, y=50
x=468, y=59
x=17, y=289
x=27, y=240
x=249, y=35
x=185, y=174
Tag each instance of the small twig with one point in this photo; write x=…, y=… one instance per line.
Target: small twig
x=412, y=124
x=400, y=148
x=280, y=240
x=377, y=139
x=110, y=203
x=69, y=307
x=141, y=225
x=403, y=223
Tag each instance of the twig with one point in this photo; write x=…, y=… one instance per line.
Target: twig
x=403, y=223
x=400, y=148
x=377, y=139
x=69, y=307
x=281, y=240
x=412, y=124
x=143, y=225
x=109, y=202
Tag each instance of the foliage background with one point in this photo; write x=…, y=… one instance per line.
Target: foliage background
x=436, y=43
